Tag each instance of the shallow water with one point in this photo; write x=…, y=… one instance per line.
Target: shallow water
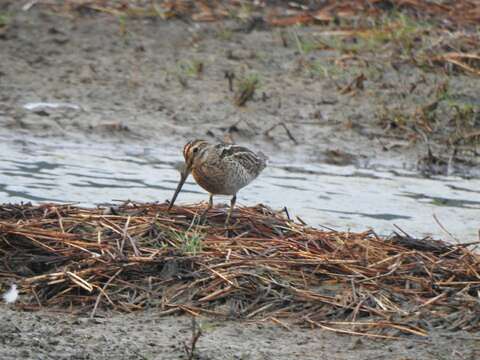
x=343, y=198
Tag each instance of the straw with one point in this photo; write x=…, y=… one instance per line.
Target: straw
x=263, y=267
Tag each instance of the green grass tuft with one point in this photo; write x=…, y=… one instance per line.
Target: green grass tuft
x=191, y=241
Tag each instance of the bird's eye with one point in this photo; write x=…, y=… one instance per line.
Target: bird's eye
x=195, y=150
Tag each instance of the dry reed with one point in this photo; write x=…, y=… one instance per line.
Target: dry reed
x=263, y=267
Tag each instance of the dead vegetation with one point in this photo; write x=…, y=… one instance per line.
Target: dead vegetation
x=245, y=89
x=350, y=25
x=276, y=13
x=438, y=35
x=446, y=125
x=265, y=267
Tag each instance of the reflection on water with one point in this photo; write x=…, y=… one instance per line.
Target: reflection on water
x=337, y=197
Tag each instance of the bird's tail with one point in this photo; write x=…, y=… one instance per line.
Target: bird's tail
x=263, y=158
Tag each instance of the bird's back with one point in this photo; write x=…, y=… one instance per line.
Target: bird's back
x=227, y=168
x=241, y=156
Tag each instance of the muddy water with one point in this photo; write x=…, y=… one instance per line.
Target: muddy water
x=322, y=195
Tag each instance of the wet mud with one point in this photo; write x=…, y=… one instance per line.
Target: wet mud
x=144, y=335
x=160, y=82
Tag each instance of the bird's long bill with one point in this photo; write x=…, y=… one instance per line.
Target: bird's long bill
x=183, y=178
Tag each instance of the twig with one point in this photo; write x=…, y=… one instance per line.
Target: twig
x=445, y=230
x=196, y=333
x=289, y=134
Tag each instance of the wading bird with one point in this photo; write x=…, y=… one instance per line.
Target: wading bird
x=220, y=169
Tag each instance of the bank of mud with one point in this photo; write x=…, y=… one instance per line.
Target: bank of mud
x=144, y=335
x=370, y=100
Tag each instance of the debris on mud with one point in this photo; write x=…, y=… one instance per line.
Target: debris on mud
x=263, y=267
x=276, y=13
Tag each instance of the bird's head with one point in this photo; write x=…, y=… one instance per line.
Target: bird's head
x=191, y=151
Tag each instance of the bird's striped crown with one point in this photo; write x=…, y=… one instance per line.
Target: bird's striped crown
x=193, y=147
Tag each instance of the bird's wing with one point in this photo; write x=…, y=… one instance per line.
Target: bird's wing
x=251, y=161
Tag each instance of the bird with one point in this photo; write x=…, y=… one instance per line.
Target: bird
x=220, y=169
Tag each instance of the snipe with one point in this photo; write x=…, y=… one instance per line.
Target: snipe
x=220, y=169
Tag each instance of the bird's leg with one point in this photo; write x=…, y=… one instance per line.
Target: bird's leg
x=230, y=211
x=203, y=217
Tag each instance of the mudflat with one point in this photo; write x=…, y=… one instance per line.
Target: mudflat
x=382, y=93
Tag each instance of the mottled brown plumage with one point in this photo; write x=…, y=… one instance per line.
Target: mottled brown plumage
x=220, y=169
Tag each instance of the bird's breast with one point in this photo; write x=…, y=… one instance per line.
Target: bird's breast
x=213, y=179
